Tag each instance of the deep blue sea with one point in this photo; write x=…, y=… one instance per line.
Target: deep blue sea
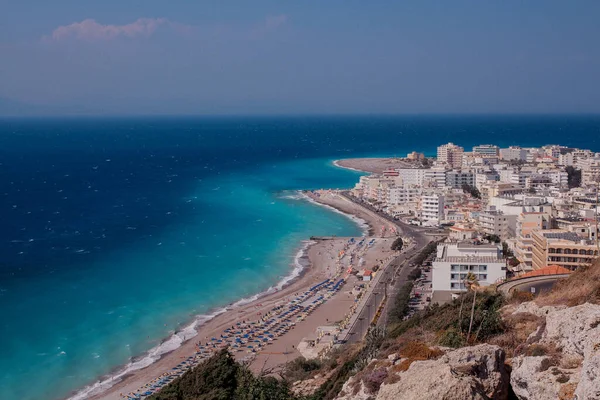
x=116, y=233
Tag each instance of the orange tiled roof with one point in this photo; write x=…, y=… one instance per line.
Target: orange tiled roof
x=549, y=270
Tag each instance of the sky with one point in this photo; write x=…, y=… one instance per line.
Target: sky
x=150, y=57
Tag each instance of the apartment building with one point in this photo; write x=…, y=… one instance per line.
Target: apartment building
x=487, y=150
x=499, y=189
x=515, y=176
x=590, y=172
x=528, y=222
x=513, y=153
x=412, y=176
x=456, y=179
x=450, y=154
x=484, y=177
x=455, y=260
x=493, y=222
x=563, y=248
x=398, y=195
x=435, y=176
x=432, y=208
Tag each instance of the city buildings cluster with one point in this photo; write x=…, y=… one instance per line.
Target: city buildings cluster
x=509, y=210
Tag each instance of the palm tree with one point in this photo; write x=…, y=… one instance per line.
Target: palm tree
x=472, y=284
x=462, y=301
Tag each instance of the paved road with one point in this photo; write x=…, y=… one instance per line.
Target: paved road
x=538, y=287
x=390, y=279
x=542, y=282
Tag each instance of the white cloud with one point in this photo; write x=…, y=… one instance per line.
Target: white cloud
x=89, y=29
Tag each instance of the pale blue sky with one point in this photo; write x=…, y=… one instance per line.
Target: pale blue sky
x=299, y=57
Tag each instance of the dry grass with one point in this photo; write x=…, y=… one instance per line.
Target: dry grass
x=419, y=350
x=405, y=364
x=518, y=297
x=518, y=328
x=581, y=287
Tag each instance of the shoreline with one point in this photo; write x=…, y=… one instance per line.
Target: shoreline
x=372, y=165
x=337, y=164
x=366, y=227
x=190, y=330
x=301, y=277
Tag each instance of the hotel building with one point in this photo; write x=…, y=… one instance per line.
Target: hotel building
x=563, y=248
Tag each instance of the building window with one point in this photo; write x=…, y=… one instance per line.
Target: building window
x=483, y=268
x=483, y=277
x=454, y=268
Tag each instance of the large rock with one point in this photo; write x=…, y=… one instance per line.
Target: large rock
x=575, y=333
x=535, y=378
x=476, y=372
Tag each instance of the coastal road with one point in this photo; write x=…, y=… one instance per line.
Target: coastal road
x=391, y=278
x=539, y=283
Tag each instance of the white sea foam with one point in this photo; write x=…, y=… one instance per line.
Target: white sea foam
x=178, y=338
x=295, y=195
x=359, y=221
x=153, y=355
x=337, y=164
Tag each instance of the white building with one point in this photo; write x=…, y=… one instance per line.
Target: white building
x=403, y=194
x=481, y=178
x=558, y=177
x=456, y=179
x=590, y=171
x=513, y=153
x=455, y=260
x=432, y=208
x=515, y=176
x=450, y=154
x=486, y=150
x=494, y=222
x=412, y=176
x=435, y=176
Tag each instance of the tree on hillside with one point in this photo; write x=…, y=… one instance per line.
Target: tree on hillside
x=573, y=176
x=472, y=190
x=492, y=238
x=506, y=251
x=398, y=244
x=472, y=285
x=221, y=377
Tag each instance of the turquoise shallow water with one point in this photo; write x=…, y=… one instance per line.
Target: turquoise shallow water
x=116, y=233
x=245, y=240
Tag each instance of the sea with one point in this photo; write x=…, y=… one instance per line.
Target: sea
x=119, y=235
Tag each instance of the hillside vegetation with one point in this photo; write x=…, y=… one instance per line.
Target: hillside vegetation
x=365, y=367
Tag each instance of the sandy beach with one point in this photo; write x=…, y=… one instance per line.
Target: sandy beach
x=372, y=165
x=322, y=257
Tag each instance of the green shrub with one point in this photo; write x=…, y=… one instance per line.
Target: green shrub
x=398, y=244
x=222, y=378
x=300, y=369
x=451, y=338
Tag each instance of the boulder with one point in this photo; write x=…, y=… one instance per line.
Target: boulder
x=535, y=378
x=575, y=333
x=476, y=372
x=354, y=389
